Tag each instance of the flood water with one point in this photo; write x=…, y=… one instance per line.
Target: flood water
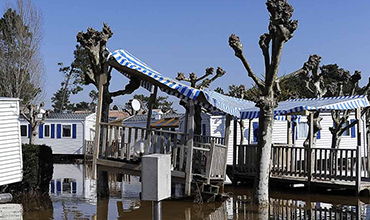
x=72, y=196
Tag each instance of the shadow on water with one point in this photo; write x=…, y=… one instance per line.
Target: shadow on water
x=73, y=196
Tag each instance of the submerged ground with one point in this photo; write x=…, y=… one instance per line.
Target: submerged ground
x=72, y=196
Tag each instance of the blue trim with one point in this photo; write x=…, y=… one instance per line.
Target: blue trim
x=255, y=132
x=59, y=131
x=74, y=187
x=59, y=186
x=52, y=186
x=52, y=130
x=353, y=130
x=74, y=131
x=319, y=134
x=41, y=131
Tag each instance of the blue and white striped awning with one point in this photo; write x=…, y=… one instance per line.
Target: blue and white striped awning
x=130, y=65
x=322, y=104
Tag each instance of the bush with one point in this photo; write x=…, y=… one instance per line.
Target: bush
x=37, y=170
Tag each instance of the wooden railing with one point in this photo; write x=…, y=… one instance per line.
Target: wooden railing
x=316, y=164
x=127, y=143
x=335, y=164
x=208, y=139
x=209, y=159
x=289, y=161
x=247, y=159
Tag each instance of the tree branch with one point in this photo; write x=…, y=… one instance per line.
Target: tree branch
x=209, y=71
x=25, y=116
x=182, y=77
x=342, y=130
x=264, y=45
x=237, y=46
x=206, y=83
x=129, y=88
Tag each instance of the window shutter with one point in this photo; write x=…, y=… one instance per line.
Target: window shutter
x=52, y=131
x=74, y=131
x=29, y=130
x=255, y=131
x=74, y=187
x=59, y=130
x=59, y=184
x=52, y=186
x=41, y=131
x=353, y=129
x=319, y=134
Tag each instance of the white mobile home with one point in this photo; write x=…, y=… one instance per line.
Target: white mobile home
x=65, y=133
x=11, y=163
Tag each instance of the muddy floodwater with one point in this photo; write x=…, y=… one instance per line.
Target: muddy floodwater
x=72, y=196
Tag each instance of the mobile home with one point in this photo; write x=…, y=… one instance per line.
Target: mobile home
x=11, y=163
x=65, y=133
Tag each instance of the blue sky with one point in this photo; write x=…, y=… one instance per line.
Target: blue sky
x=189, y=36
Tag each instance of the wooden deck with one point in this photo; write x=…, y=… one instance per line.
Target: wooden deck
x=317, y=166
x=123, y=147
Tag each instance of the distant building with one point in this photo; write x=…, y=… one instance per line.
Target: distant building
x=159, y=120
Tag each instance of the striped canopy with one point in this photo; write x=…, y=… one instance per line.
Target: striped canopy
x=322, y=104
x=131, y=66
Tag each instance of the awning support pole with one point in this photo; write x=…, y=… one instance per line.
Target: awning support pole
x=152, y=98
x=235, y=137
x=189, y=154
x=227, y=135
x=102, y=81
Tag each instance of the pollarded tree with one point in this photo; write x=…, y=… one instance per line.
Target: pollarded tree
x=280, y=30
x=193, y=79
x=91, y=58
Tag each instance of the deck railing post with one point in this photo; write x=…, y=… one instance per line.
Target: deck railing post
x=358, y=170
x=227, y=135
x=358, y=150
x=189, y=155
x=149, y=119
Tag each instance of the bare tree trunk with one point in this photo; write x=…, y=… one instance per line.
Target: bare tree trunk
x=32, y=134
x=241, y=123
x=261, y=183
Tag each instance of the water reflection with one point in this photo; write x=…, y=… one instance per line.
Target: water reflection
x=73, y=194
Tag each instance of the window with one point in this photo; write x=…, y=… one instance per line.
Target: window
x=302, y=130
x=346, y=132
x=246, y=134
x=24, y=130
x=66, y=131
x=46, y=130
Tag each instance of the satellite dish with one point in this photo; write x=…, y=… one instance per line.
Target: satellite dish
x=135, y=104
